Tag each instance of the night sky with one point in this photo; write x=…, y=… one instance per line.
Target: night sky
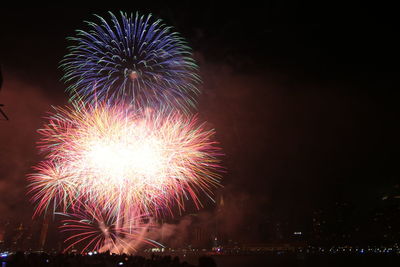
x=304, y=101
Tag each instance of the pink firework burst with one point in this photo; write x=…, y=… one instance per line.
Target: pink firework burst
x=115, y=157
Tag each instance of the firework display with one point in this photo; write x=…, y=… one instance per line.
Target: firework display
x=126, y=150
x=134, y=58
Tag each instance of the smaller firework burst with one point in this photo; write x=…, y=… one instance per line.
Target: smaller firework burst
x=95, y=229
x=133, y=58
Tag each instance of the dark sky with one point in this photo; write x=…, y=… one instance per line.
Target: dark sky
x=304, y=100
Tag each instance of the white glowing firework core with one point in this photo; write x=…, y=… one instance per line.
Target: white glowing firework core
x=124, y=159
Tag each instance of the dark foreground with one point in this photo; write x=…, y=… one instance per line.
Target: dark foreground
x=286, y=260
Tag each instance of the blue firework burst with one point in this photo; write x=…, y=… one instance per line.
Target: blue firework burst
x=134, y=58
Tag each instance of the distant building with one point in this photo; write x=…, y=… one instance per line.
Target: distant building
x=18, y=237
x=43, y=232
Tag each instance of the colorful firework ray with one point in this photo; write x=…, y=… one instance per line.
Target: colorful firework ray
x=51, y=185
x=136, y=59
x=117, y=157
x=93, y=229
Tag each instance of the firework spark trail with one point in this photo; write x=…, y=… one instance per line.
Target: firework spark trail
x=134, y=58
x=116, y=157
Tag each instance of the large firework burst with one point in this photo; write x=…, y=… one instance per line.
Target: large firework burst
x=134, y=58
x=116, y=157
